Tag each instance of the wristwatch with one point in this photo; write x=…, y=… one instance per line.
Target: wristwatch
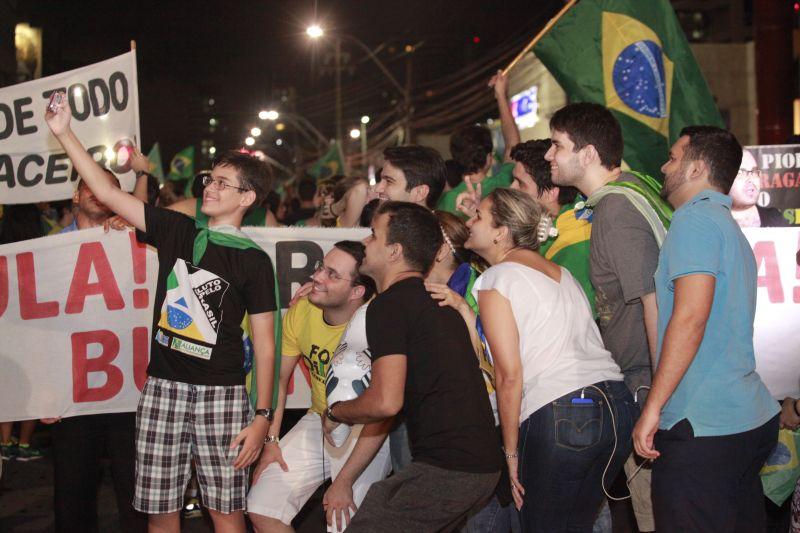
x=329, y=413
x=272, y=438
x=268, y=413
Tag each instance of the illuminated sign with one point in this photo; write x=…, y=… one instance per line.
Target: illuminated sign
x=525, y=107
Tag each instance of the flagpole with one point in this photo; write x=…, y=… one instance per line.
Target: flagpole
x=539, y=35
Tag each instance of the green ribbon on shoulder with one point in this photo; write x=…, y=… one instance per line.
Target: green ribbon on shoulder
x=233, y=237
x=645, y=197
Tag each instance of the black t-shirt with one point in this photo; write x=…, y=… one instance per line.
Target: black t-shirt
x=447, y=409
x=198, y=310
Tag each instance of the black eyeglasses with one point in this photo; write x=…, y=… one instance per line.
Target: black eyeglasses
x=319, y=266
x=219, y=184
x=752, y=173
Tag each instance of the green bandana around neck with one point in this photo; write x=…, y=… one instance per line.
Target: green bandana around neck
x=241, y=241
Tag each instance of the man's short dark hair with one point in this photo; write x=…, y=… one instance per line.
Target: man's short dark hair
x=355, y=250
x=455, y=173
x=254, y=174
x=197, y=183
x=719, y=149
x=416, y=229
x=470, y=145
x=306, y=189
x=421, y=166
x=82, y=183
x=531, y=155
x=588, y=123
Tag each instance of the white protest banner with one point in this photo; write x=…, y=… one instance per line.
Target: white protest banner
x=294, y=251
x=76, y=312
x=776, y=332
x=104, y=98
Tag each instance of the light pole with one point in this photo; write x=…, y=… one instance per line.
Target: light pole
x=315, y=32
x=364, y=122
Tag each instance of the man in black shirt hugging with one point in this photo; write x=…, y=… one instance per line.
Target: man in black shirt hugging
x=423, y=364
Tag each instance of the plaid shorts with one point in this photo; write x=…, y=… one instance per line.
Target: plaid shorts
x=177, y=422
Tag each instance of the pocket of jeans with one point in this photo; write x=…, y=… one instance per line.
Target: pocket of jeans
x=578, y=426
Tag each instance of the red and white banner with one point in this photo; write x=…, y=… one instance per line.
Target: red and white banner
x=76, y=311
x=776, y=332
x=104, y=99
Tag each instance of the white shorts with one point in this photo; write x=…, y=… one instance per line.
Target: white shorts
x=281, y=495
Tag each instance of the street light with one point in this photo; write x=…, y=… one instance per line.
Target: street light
x=365, y=119
x=255, y=132
x=268, y=114
x=355, y=133
x=249, y=141
x=314, y=31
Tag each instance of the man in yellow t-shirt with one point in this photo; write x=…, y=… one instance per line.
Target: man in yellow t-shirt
x=291, y=470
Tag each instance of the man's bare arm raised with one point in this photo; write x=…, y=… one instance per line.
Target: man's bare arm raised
x=125, y=205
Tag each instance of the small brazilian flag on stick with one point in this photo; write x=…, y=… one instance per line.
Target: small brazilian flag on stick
x=156, y=168
x=330, y=164
x=182, y=165
x=632, y=57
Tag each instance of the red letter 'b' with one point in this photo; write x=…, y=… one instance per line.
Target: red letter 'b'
x=82, y=365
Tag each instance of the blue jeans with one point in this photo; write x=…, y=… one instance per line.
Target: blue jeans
x=399, y=446
x=493, y=519
x=564, y=448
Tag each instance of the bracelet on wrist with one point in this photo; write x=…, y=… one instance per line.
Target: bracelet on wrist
x=510, y=455
x=268, y=413
x=329, y=413
x=272, y=438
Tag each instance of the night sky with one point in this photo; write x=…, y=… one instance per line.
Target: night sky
x=246, y=55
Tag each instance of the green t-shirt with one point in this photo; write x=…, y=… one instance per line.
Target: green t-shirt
x=499, y=180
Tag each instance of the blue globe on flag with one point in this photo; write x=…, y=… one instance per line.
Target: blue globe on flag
x=178, y=317
x=639, y=79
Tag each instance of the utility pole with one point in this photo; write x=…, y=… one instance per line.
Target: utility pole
x=338, y=61
x=407, y=99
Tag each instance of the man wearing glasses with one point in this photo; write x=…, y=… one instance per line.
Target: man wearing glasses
x=744, y=195
x=289, y=472
x=194, y=405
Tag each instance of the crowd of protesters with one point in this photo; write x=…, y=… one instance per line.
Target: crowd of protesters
x=533, y=326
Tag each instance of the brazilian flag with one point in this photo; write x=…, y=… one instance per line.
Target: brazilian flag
x=182, y=165
x=632, y=57
x=330, y=164
x=155, y=163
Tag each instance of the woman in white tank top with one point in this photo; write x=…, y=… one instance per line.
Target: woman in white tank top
x=565, y=413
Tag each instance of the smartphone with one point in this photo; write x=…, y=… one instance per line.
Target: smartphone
x=55, y=101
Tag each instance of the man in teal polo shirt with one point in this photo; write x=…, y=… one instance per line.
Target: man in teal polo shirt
x=709, y=422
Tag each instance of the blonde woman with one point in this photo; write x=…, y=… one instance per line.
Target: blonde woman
x=565, y=413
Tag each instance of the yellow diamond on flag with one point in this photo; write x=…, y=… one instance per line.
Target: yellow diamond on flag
x=333, y=166
x=637, y=75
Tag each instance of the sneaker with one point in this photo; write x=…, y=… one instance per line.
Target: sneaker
x=8, y=450
x=26, y=452
x=192, y=508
